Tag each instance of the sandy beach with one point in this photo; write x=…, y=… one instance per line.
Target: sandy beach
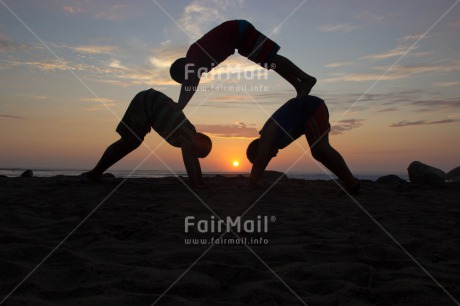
x=320, y=246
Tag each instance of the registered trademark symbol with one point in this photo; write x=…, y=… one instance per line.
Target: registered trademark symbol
x=272, y=218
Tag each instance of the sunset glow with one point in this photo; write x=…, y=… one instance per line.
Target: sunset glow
x=236, y=163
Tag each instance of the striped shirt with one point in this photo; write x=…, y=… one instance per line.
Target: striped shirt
x=169, y=123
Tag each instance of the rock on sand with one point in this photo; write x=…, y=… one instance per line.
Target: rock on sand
x=453, y=176
x=390, y=180
x=27, y=173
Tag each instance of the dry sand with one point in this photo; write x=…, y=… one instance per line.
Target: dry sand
x=322, y=248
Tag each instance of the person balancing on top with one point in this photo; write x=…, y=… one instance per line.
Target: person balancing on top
x=219, y=43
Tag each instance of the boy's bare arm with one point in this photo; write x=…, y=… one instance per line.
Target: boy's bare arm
x=187, y=90
x=199, y=174
x=192, y=166
x=264, y=154
x=172, y=104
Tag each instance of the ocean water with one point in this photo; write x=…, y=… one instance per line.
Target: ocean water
x=163, y=173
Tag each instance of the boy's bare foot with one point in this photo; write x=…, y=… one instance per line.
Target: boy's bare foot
x=348, y=190
x=305, y=86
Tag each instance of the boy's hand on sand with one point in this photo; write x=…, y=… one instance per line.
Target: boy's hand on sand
x=250, y=187
x=200, y=186
x=91, y=177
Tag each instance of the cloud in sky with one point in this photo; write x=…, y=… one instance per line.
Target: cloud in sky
x=98, y=104
x=403, y=101
x=44, y=65
x=455, y=24
x=426, y=100
x=422, y=122
x=234, y=68
x=342, y=126
x=447, y=84
x=115, y=63
x=263, y=102
x=98, y=100
x=96, y=49
x=72, y=9
x=103, y=68
x=113, y=73
x=200, y=15
x=238, y=65
x=338, y=27
x=414, y=37
x=439, y=104
x=232, y=98
x=145, y=76
x=236, y=130
x=33, y=96
x=107, y=10
x=397, y=72
x=416, y=69
x=369, y=16
x=4, y=116
x=163, y=56
x=363, y=77
x=8, y=45
x=406, y=47
x=113, y=12
x=337, y=64
x=389, y=109
x=398, y=51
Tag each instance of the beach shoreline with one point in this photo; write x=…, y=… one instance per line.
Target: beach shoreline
x=48, y=173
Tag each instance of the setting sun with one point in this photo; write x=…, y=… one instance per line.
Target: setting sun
x=236, y=163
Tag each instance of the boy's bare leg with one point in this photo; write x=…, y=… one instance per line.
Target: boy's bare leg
x=302, y=82
x=323, y=152
x=112, y=154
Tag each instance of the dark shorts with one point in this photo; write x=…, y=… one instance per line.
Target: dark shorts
x=256, y=46
x=134, y=125
x=318, y=125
